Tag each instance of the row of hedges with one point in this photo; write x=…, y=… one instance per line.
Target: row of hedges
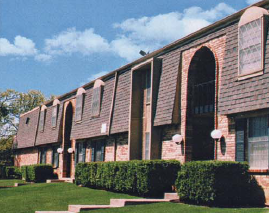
x=136, y=177
x=218, y=183
x=31, y=173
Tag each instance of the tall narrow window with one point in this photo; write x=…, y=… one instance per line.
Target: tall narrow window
x=79, y=104
x=96, y=97
x=54, y=115
x=80, y=152
x=251, y=41
x=148, y=85
x=42, y=118
x=42, y=155
x=98, y=150
x=147, y=146
x=55, y=157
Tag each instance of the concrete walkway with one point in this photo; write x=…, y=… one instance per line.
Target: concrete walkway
x=117, y=203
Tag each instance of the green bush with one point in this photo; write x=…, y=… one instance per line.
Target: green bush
x=37, y=172
x=13, y=172
x=151, y=177
x=216, y=183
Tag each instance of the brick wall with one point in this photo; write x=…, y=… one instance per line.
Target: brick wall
x=122, y=153
x=26, y=157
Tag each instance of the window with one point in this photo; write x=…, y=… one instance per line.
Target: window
x=251, y=41
x=42, y=155
x=252, y=141
x=80, y=152
x=55, y=157
x=148, y=85
x=147, y=146
x=79, y=104
x=27, y=120
x=42, y=118
x=54, y=115
x=96, y=97
x=97, y=150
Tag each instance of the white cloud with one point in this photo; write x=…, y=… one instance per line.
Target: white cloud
x=43, y=57
x=251, y=1
x=21, y=47
x=72, y=41
x=94, y=76
x=154, y=32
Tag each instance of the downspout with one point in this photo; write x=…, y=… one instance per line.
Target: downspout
x=36, y=133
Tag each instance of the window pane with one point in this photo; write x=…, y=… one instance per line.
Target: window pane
x=54, y=116
x=42, y=120
x=148, y=85
x=258, y=142
x=79, y=100
x=147, y=145
x=250, y=47
x=96, y=99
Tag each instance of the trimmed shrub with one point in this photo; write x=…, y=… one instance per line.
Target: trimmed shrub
x=216, y=183
x=13, y=172
x=151, y=177
x=37, y=172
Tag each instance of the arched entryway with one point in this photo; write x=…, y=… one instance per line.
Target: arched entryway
x=201, y=104
x=67, y=141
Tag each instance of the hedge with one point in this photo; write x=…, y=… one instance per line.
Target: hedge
x=37, y=172
x=218, y=183
x=151, y=177
x=12, y=172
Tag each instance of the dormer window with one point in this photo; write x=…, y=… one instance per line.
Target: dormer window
x=79, y=104
x=42, y=118
x=97, y=97
x=54, y=116
x=251, y=42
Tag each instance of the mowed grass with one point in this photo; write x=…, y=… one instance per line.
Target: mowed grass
x=10, y=182
x=57, y=196
x=177, y=208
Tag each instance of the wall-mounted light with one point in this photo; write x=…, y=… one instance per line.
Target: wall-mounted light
x=216, y=134
x=60, y=150
x=70, y=150
x=177, y=138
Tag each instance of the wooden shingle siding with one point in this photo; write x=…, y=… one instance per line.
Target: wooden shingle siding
x=50, y=134
x=91, y=126
x=242, y=95
x=167, y=88
x=120, y=117
x=27, y=132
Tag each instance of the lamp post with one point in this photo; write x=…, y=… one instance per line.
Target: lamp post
x=216, y=134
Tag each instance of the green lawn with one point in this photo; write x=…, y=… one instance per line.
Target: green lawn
x=57, y=196
x=10, y=182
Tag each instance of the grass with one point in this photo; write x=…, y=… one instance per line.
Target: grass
x=177, y=208
x=57, y=196
x=10, y=182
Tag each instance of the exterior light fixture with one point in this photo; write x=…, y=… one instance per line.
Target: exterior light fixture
x=70, y=150
x=143, y=53
x=177, y=139
x=216, y=134
x=60, y=150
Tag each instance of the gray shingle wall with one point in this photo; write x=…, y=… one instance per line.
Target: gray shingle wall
x=242, y=95
x=91, y=126
x=27, y=132
x=120, y=121
x=50, y=135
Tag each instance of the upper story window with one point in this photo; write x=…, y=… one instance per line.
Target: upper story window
x=251, y=41
x=97, y=97
x=55, y=108
x=79, y=104
x=148, y=86
x=42, y=118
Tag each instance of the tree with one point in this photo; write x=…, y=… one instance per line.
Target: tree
x=12, y=104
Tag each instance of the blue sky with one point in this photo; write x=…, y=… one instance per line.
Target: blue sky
x=56, y=46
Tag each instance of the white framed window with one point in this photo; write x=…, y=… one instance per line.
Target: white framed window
x=42, y=118
x=251, y=41
x=97, y=97
x=54, y=115
x=79, y=104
